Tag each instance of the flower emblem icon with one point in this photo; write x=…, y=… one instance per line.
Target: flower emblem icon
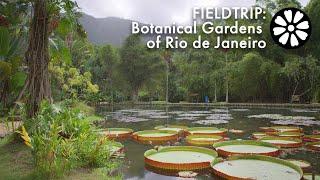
x=290, y=28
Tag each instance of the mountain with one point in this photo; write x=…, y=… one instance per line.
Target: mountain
x=110, y=30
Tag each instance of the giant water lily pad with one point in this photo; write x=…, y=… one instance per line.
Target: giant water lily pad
x=313, y=146
x=311, y=138
x=187, y=118
x=130, y=110
x=203, y=140
x=151, y=113
x=200, y=112
x=117, y=133
x=180, y=158
x=192, y=115
x=240, y=110
x=211, y=122
x=219, y=116
x=266, y=116
x=236, y=131
x=289, y=134
x=284, y=142
x=220, y=110
x=304, y=110
x=281, y=129
x=256, y=167
x=176, y=128
x=206, y=131
x=159, y=117
x=304, y=165
x=288, y=120
x=130, y=119
x=244, y=147
x=176, y=112
x=281, y=117
x=258, y=135
x=297, y=122
x=155, y=136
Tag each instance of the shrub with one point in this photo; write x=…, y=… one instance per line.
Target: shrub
x=61, y=140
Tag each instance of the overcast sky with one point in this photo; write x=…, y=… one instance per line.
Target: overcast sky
x=162, y=12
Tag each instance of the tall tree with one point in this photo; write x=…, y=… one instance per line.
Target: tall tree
x=138, y=64
x=313, y=10
x=37, y=57
x=104, y=66
x=45, y=15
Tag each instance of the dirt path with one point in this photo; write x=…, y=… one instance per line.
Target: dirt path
x=6, y=128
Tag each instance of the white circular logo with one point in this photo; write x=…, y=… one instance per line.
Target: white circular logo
x=290, y=28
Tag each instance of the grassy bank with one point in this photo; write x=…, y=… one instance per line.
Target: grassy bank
x=15, y=160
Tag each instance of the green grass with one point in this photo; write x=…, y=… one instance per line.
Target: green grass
x=84, y=108
x=94, y=118
x=15, y=160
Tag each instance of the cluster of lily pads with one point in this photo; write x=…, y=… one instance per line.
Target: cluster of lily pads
x=288, y=120
x=305, y=110
x=138, y=115
x=215, y=119
x=204, y=117
x=230, y=159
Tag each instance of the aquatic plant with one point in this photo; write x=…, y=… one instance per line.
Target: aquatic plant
x=304, y=110
x=180, y=158
x=116, y=133
x=239, y=110
x=256, y=167
x=220, y=116
x=281, y=117
x=245, y=147
x=155, y=136
x=211, y=122
x=297, y=122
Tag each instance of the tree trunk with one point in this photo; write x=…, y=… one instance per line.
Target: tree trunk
x=134, y=95
x=4, y=94
x=215, y=91
x=37, y=57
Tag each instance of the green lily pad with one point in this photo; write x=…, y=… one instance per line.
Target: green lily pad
x=256, y=167
x=238, y=147
x=206, y=131
x=180, y=157
x=284, y=142
x=203, y=140
x=302, y=164
x=171, y=128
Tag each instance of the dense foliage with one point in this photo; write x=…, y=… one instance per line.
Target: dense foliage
x=62, y=139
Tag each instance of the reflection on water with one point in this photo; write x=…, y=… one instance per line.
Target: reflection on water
x=147, y=117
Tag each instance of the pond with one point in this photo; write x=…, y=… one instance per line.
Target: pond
x=247, y=119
